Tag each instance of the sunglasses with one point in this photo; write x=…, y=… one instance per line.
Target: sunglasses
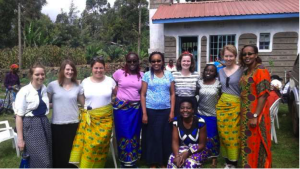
x=227, y=82
x=249, y=54
x=155, y=61
x=99, y=58
x=131, y=61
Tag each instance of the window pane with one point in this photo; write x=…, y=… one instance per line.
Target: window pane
x=217, y=43
x=267, y=45
x=261, y=45
x=267, y=37
x=264, y=41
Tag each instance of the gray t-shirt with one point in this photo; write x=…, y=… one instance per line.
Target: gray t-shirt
x=232, y=86
x=65, y=108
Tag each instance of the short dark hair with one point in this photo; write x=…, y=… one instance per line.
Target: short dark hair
x=258, y=59
x=189, y=101
x=178, y=64
x=126, y=69
x=216, y=75
x=162, y=58
x=98, y=59
x=61, y=74
x=163, y=62
x=276, y=77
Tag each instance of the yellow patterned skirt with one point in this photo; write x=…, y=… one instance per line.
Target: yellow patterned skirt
x=228, y=122
x=91, y=143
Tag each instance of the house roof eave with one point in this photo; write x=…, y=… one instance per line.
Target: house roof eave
x=224, y=18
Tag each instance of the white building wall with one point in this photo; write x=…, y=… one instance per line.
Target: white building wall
x=238, y=28
x=157, y=38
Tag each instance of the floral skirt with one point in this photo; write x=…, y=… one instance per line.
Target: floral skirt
x=193, y=161
x=128, y=124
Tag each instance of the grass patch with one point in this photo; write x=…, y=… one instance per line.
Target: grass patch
x=285, y=153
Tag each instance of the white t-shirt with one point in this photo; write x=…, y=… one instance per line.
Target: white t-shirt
x=97, y=94
x=171, y=69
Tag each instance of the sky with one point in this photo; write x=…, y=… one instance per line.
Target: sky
x=54, y=7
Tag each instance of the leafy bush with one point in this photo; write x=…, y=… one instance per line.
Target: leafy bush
x=48, y=55
x=111, y=53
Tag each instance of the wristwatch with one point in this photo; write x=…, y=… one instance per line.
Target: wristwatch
x=255, y=115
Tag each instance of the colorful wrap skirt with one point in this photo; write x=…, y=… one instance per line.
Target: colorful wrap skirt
x=193, y=161
x=212, y=143
x=91, y=143
x=128, y=123
x=228, y=116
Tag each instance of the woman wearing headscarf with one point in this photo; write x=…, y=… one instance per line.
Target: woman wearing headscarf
x=12, y=80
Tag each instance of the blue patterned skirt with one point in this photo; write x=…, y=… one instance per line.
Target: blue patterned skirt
x=128, y=121
x=212, y=143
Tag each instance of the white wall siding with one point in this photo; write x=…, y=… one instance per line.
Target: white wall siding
x=157, y=41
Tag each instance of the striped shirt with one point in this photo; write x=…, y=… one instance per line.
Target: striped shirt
x=185, y=86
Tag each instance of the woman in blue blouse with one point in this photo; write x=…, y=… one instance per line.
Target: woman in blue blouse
x=157, y=100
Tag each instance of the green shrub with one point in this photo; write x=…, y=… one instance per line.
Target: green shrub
x=48, y=55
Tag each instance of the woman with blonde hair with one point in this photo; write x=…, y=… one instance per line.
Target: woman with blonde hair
x=228, y=107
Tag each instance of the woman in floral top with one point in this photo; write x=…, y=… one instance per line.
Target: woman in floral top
x=157, y=100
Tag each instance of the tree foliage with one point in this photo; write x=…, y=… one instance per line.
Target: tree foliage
x=100, y=29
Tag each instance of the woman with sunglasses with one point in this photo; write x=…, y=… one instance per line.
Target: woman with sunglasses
x=255, y=116
x=209, y=94
x=185, y=80
x=91, y=143
x=157, y=99
x=228, y=107
x=64, y=94
x=127, y=111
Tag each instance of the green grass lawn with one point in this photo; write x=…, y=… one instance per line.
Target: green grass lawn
x=285, y=153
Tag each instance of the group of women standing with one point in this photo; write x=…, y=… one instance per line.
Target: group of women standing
x=177, y=130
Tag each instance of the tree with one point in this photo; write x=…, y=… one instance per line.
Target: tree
x=98, y=6
x=31, y=10
x=8, y=22
x=67, y=28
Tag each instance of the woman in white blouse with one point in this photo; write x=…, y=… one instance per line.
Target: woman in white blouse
x=33, y=127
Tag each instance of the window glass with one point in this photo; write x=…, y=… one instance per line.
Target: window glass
x=264, y=41
x=216, y=44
